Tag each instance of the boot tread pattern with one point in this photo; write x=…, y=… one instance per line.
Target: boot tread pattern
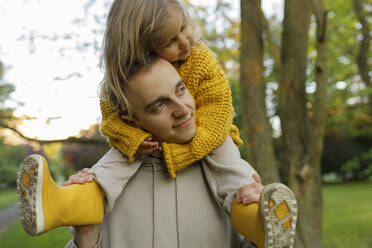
x=279, y=233
x=27, y=186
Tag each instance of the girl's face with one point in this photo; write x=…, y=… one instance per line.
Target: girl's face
x=177, y=38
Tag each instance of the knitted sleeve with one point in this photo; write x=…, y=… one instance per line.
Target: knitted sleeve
x=214, y=112
x=121, y=135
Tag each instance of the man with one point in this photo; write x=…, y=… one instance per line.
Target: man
x=147, y=208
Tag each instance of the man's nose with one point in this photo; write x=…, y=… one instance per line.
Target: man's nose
x=180, y=110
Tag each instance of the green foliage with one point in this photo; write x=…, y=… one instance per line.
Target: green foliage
x=78, y=156
x=348, y=136
x=360, y=167
x=10, y=159
x=343, y=43
x=345, y=85
x=367, y=171
x=6, y=114
x=8, y=173
x=350, y=166
x=347, y=143
x=1, y=70
x=220, y=32
x=5, y=90
x=238, y=114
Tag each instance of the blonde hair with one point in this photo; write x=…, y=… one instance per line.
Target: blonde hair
x=132, y=34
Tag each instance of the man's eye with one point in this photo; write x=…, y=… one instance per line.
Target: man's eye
x=158, y=107
x=181, y=90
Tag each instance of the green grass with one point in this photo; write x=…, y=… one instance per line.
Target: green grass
x=16, y=237
x=347, y=218
x=8, y=197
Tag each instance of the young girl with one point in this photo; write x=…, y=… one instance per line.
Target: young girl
x=136, y=30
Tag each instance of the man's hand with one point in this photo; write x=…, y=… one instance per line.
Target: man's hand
x=250, y=193
x=86, y=236
x=83, y=176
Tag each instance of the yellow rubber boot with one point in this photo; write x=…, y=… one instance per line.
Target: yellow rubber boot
x=247, y=221
x=272, y=222
x=43, y=205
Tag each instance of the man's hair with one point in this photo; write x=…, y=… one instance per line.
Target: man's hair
x=126, y=108
x=133, y=32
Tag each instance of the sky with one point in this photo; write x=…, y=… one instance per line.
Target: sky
x=51, y=50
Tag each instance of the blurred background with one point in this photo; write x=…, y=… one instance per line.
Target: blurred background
x=300, y=75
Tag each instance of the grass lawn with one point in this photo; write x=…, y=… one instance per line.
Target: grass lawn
x=347, y=218
x=16, y=237
x=8, y=197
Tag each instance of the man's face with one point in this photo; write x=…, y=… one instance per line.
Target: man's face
x=161, y=103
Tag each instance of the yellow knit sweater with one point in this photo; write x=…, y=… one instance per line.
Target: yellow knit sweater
x=214, y=113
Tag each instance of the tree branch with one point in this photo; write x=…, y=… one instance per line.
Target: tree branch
x=321, y=78
x=273, y=48
x=68, y=140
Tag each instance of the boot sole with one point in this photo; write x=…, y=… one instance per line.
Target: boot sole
x=273, y=196
x=29, y=186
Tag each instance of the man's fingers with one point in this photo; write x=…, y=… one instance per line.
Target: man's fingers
x=249, y=193
x=89, y=178
x=247, y=197
x=238, y=197
x=250, y=199
x=257, y=178
x=73, y=181
x=66, y=183
x=79, y=179
x=85, y=171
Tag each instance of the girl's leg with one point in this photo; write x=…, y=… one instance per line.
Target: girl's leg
x=44, y=205
x=271, y=223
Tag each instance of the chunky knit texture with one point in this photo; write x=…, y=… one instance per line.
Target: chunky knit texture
x=124, y=137
x=214, y=114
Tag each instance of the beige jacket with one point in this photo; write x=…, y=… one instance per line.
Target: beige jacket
x=157, y=211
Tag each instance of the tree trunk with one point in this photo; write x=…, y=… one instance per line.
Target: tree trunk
x=256, y=125
x=362, y=58
x=303, y=175
x=303, y=131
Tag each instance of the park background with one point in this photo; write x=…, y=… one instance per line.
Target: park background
x=300, y=76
